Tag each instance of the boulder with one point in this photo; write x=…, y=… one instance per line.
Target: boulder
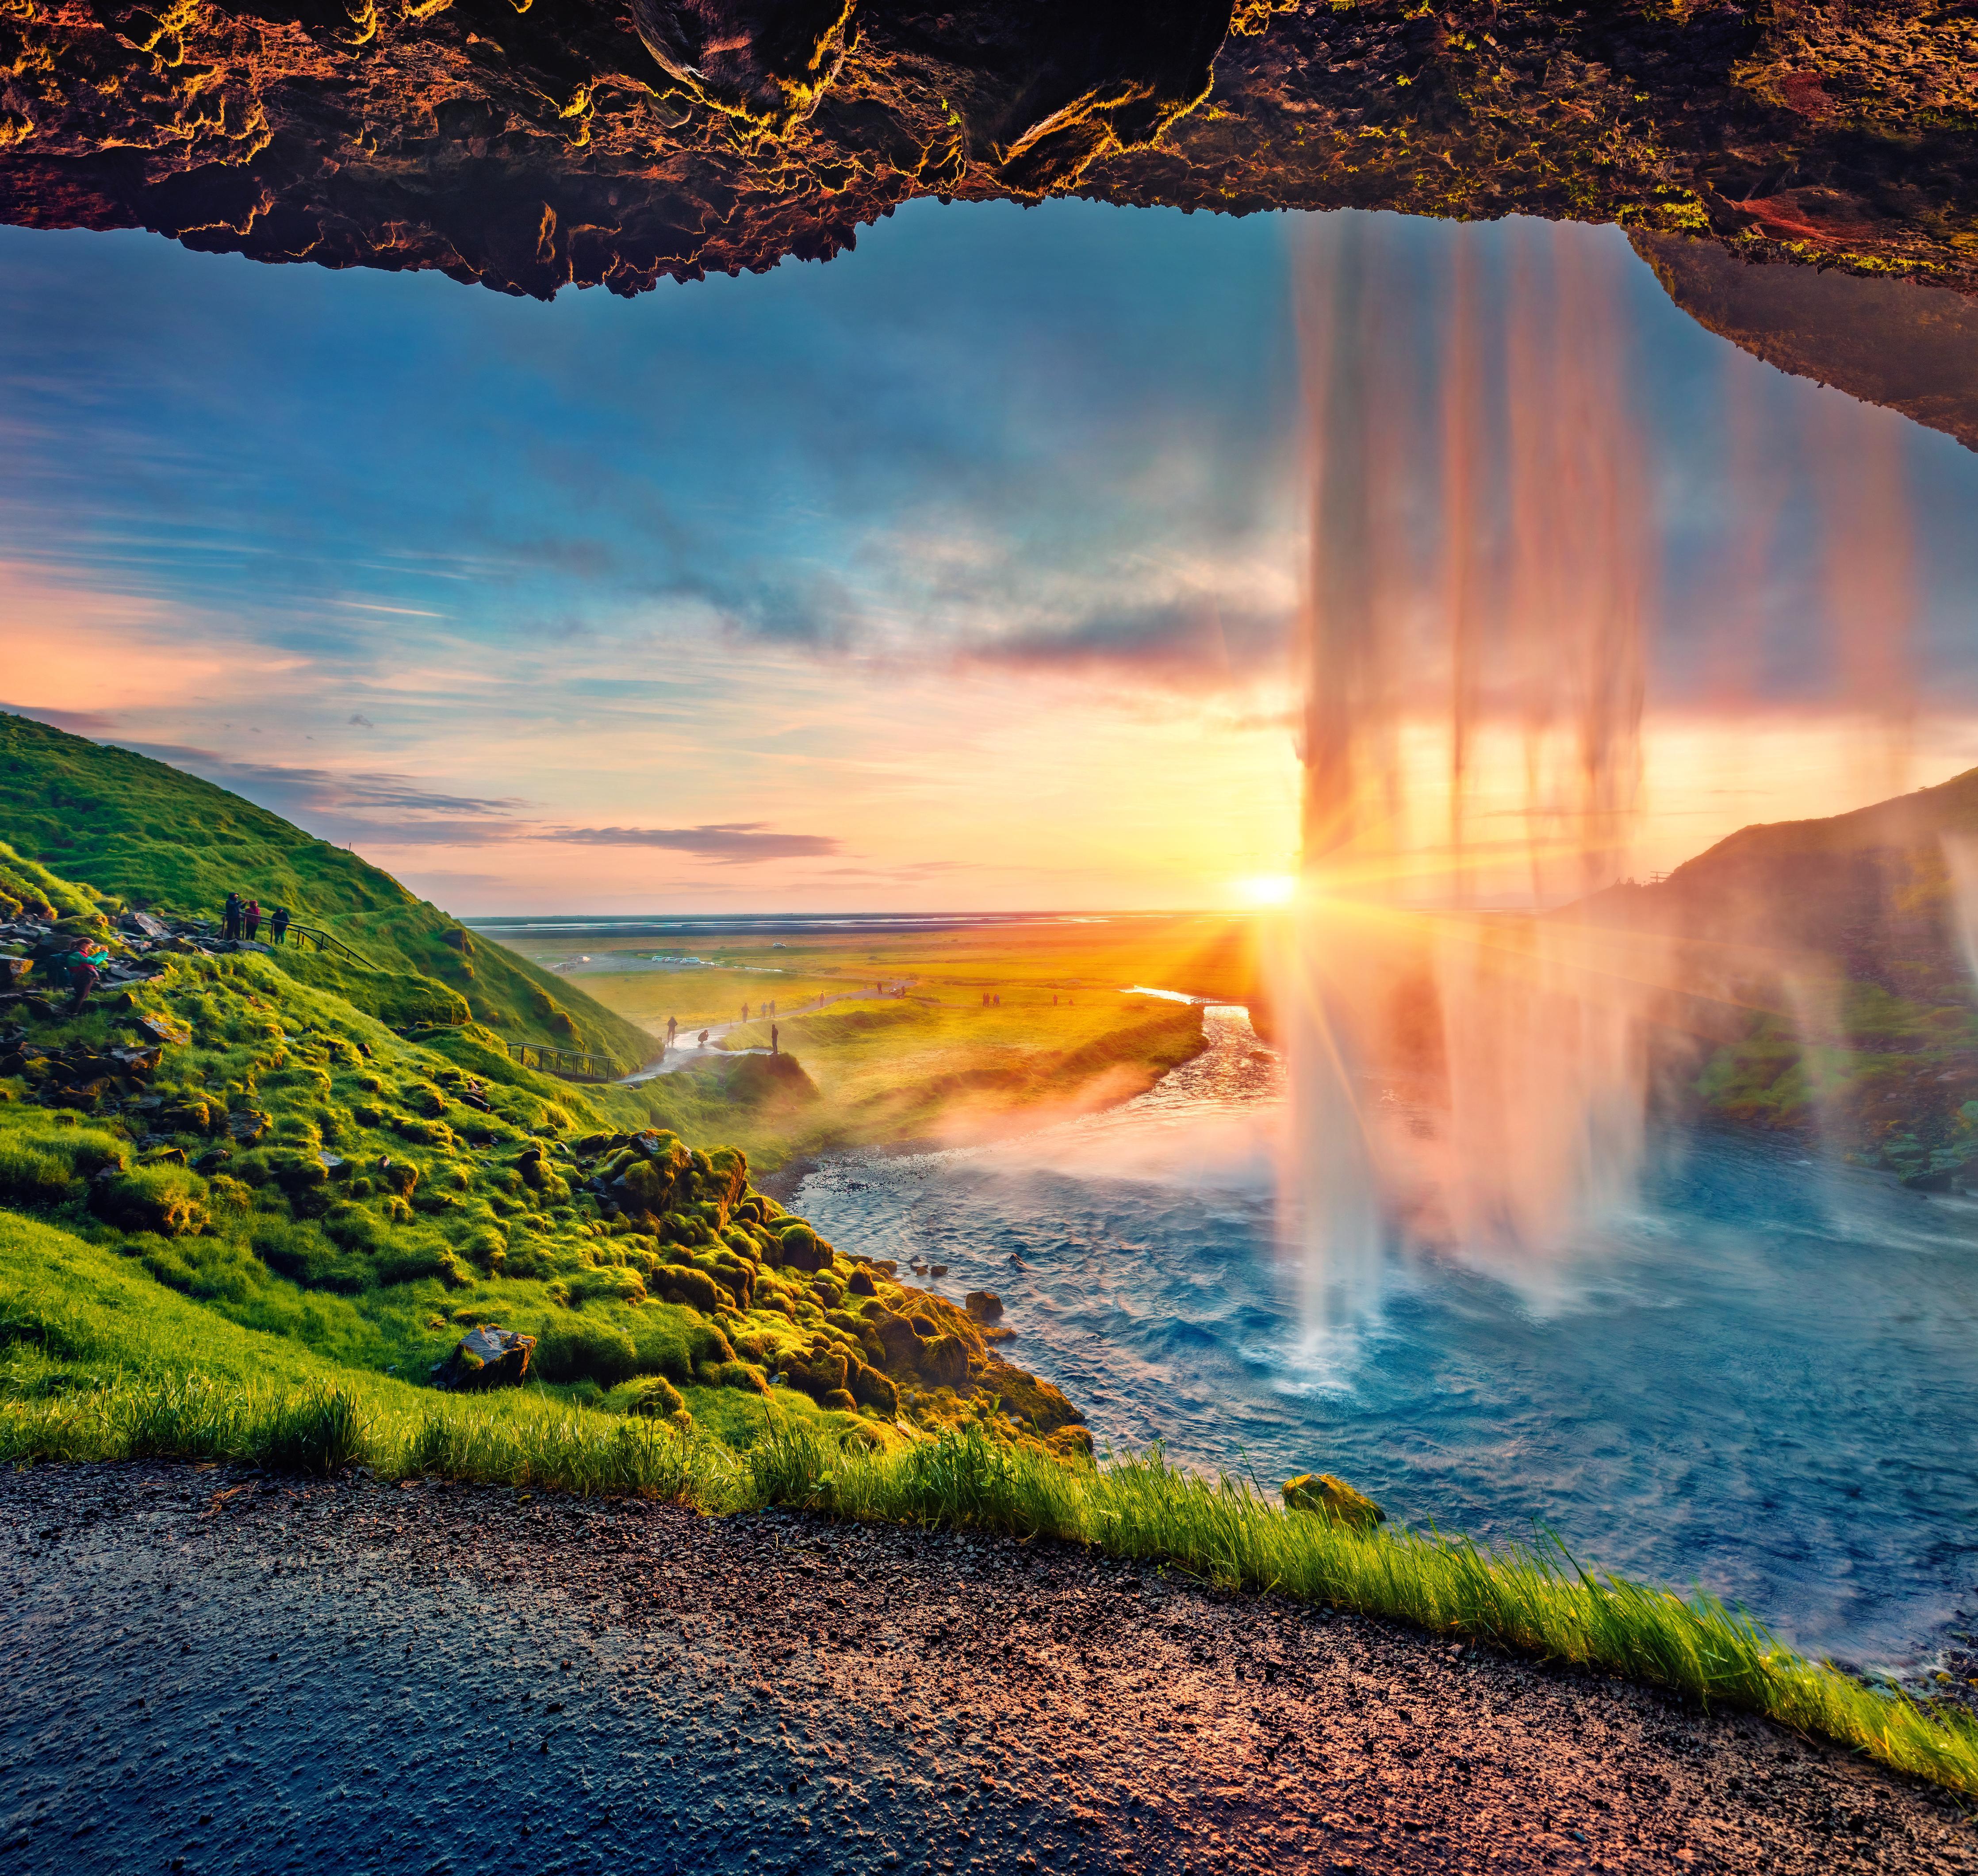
x=684, y=1284
x=1333, y=1499
x=861, y=1284
x=142, y=925
x=984, y=1305
x=898, y=1337
x=943, y=1362
x=485, y=1357
x=802, y=1249
x=869, y=1388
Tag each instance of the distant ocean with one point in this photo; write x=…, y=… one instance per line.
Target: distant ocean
x=731, y=925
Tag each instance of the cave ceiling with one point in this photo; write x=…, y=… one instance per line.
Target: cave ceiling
x=529, y=145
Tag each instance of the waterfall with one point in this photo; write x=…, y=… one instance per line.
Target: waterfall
x=1473, y=653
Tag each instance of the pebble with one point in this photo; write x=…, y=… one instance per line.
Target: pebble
x=353, y=1676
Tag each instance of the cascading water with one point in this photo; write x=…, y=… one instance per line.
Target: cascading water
x=1462, y=1078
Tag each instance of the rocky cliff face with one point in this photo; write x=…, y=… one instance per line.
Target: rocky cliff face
x=528, y=144
x=1891, y=341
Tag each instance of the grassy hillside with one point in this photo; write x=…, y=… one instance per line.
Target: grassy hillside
x=287, y=1162
x=1830, y=963
x=154, y=837
x=97, y=1363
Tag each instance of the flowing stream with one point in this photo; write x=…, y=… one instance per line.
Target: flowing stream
x=1760, y=1375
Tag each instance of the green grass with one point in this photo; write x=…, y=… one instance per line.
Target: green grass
x=138, y=831
x=1224, y=1531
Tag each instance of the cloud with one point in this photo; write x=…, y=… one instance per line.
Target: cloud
x=1175, y=642
x=382, y=809
x=77, y=722
x=737, y=843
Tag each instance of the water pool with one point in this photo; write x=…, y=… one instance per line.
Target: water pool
x=1763, y=1377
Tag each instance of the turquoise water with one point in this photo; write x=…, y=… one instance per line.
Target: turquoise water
x=1763, y=1377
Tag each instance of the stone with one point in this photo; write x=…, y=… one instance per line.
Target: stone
x=485, y=1357
x=984, y=1305
x=162, y=1029
x=1325, y=1496
x=861, y=1284
x=943, y=1362
x=142, y=925
x=898, y=1337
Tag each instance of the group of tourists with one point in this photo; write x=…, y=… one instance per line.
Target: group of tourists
x=768, y=1009
x=241, y=918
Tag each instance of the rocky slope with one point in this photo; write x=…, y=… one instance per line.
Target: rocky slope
x=1830, y=964
x=1911, y=347
x=124, y=826
x=271, y=1150
x=614, y=141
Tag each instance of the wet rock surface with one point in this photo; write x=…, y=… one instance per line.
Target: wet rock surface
x=618, y=141
x=217, y=1671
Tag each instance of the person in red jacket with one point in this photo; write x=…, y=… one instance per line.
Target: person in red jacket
x=251, y=919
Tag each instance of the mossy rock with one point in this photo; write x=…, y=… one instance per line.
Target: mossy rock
x=167, y=1200
x=944, y=1362
x=657, y=1399
x=731, y=1375
x=870, y=1388
x=1333, y=1500
x=685, y=1284
x=802, y=1249
x=838, y=1401
x=398, y=1176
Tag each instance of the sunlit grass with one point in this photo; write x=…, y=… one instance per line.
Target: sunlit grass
x=1220, y=1530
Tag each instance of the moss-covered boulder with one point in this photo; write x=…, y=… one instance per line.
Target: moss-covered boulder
x=1325, y=1496
x=688, y=1284
x=944, y=1362
x=486, y=1357
x=168, y=1200
x=872, y=1389
x=657, y=1398
x=802, y=1248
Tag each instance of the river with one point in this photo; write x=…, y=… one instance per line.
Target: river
x=1761, y=1377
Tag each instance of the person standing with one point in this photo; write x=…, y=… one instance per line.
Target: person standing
x=229, y=918
x=250, y=917
x=775, y=1041
x=82, y=977
x=672, y=1030
x=278, y=926
x=744, y=1012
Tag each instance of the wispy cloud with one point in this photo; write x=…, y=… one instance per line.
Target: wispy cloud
x=736, y=842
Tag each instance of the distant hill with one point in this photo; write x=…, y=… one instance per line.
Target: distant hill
x=1872, y=890
x=1834, y=953
x=157, y=838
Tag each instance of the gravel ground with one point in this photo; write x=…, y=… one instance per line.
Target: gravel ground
x=217, y=1671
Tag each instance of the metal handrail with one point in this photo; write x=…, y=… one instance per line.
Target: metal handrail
x=591, y=1066
x=324, y=941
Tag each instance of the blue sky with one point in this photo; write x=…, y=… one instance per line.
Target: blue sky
x=956, y=572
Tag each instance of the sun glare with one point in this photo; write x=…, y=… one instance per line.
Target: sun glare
x=1268, y=889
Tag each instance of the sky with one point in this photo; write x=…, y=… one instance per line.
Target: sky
x=959, y=573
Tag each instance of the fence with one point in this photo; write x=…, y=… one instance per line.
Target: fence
x=303, y=936
x=572, y=1065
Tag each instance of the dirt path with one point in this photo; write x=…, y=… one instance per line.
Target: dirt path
x=211, y=1672
x=686, y=1053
